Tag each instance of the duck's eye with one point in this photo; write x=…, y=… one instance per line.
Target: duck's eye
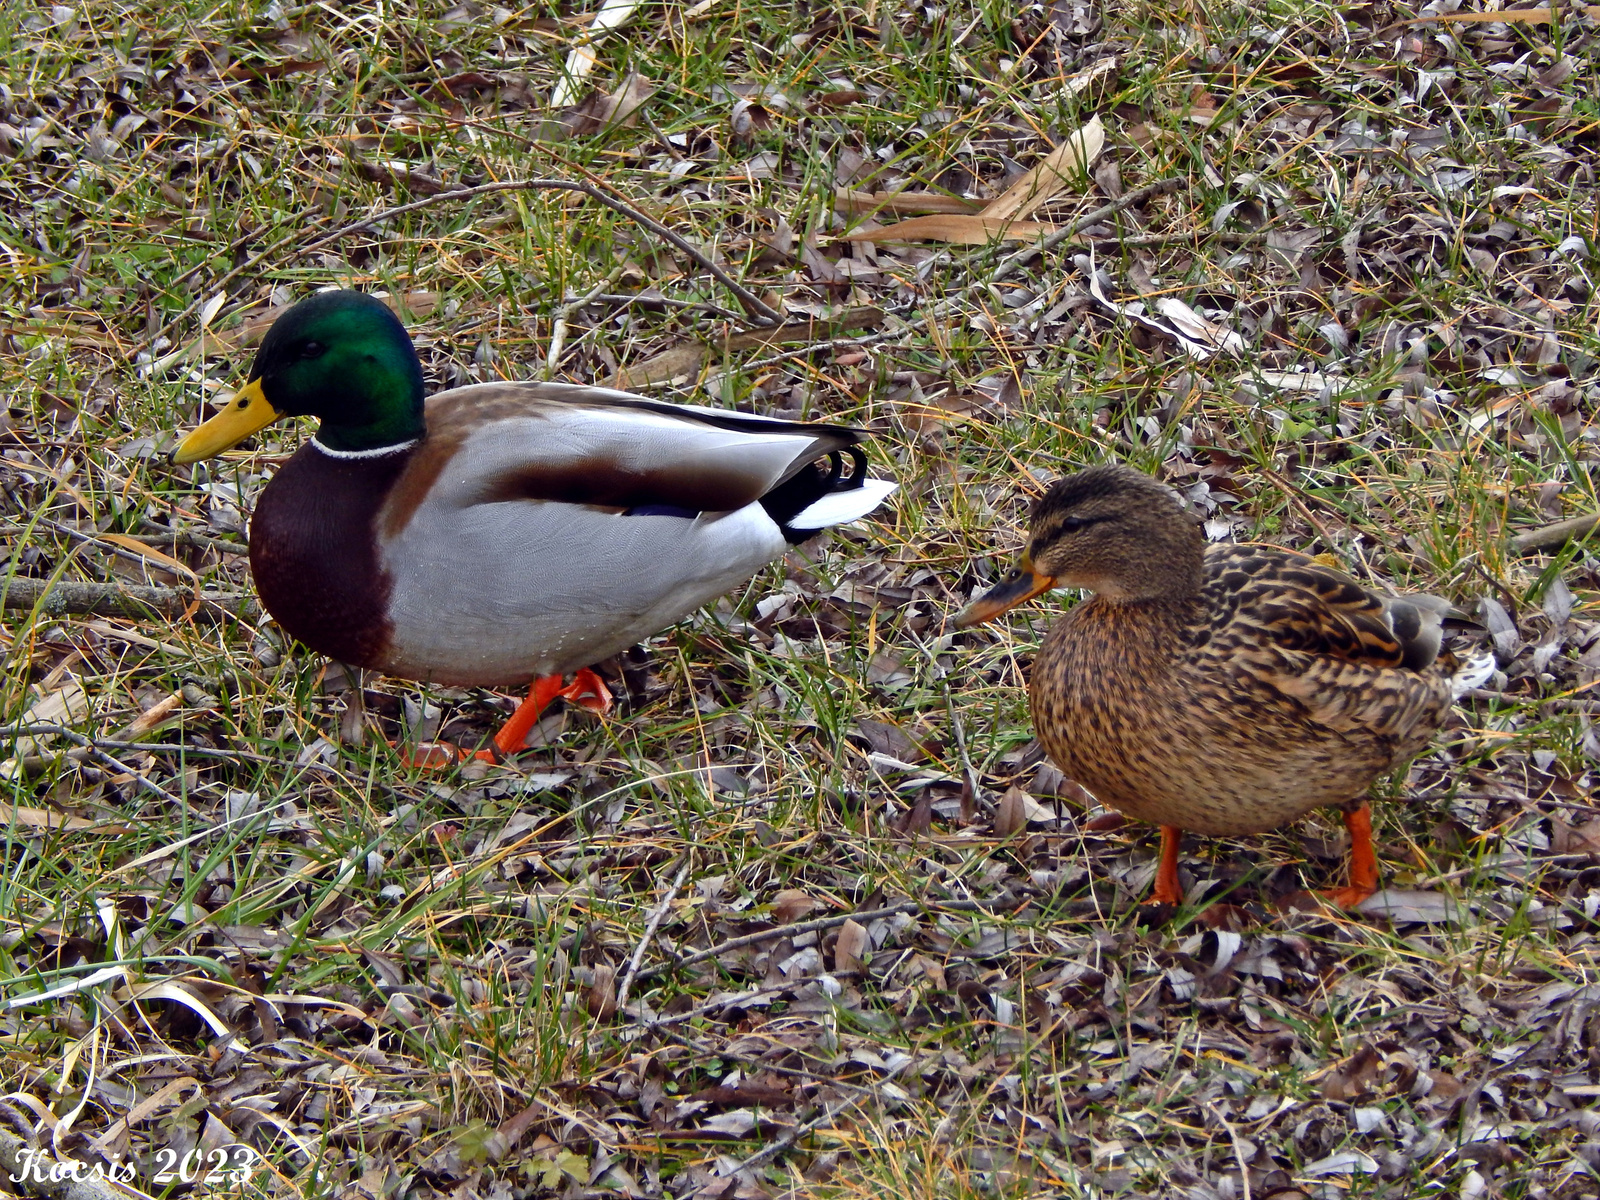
x=1073, y=524
x=313, y=350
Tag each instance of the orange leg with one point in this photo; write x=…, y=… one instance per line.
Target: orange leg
x=1363, y=860
x=1166, y=890
x=586, y=689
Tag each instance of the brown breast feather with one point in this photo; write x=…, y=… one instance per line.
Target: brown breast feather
x=314, y=552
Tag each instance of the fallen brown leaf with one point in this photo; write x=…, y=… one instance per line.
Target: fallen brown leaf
x=1054, y=174
x=958, y=230
x=851, y=947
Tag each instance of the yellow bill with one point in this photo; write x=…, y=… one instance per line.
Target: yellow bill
x=1024, y=583
x=248, y=413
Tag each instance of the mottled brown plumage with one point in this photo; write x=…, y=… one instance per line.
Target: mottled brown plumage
x=1221, y=689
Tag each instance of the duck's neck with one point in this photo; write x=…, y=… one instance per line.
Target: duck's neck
x=391, y=429
x=1167, y=572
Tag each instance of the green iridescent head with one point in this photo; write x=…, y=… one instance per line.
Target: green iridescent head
x=341, y=356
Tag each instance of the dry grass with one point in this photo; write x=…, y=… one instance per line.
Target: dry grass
x=397, y=984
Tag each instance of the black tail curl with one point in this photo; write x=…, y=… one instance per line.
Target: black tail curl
x=818, y=478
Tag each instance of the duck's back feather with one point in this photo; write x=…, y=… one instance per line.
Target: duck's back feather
x=593, y=446
x=542, y=527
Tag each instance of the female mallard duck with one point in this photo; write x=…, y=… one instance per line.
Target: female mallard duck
x=1223, y=689
x=506, y=532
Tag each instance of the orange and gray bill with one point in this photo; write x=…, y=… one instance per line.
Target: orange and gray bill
x=1024, y=583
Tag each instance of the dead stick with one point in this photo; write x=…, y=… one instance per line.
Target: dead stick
x=120, y=600
x=758, y=309
x=814, y=926
x=1126, y=200
x=1555, y=535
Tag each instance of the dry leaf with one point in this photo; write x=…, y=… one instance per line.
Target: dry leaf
x=602, y=111
x=867, y=203
x=61, y=707
x=613, y=14
x=43, y=818
x=1079, y=83
x=1580, y=839
x=1054, y=174
x=1192, y=325
x=958, y=230
x=1199, y=337
x=1345, y=1162
x=1412, y=907
x=851, y=948
x=918, y=819
x=791, y=904
x=1011, y=814
x=602, y=998
x=157, y=714
x=1355, y=1076
x=931, y=415
x=680, y=362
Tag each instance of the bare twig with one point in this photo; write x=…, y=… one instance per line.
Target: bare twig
x=184, y=537
x=1127, y=200
x=644, y=300
x=1238, y=1149
x=85, y=745
x=100, y=543
x=120, y=600
x=813, y=926
x=1551, y=536
x=773, y=1149
x=650, y=928
x=967, y=768
x=122, y=768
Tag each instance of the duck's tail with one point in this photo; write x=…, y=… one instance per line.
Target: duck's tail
x=821, y=494
x=1471, y=671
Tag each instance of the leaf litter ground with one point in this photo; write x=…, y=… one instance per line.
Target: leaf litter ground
x=809, y=914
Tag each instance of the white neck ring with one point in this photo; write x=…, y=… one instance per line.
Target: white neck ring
x=377, y=452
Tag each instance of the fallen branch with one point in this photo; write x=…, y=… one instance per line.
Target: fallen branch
x=176, y=538
x=1127, y=200
x=121, y=600
x=757, y=308
x=1551, y=536
x=813, y=926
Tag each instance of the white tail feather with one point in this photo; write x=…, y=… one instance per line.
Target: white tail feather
x=839, y=508
x=1473, y=672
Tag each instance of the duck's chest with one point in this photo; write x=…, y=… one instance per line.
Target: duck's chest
x=314, y=551
x=1102, y=692
x=1100, y=664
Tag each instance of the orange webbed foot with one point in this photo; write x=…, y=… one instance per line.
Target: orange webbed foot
x=586, y=689
x=1363, y=861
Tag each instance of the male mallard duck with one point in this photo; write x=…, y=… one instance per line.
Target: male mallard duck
x=504, y=532
x=1223, y=689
